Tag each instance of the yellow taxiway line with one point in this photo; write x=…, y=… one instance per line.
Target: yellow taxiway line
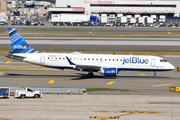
x=7, y=62
x=142, y=74
x=104, y=117
x=162, y=85
x=110, y=83
x=1, y=73
x=51, y=81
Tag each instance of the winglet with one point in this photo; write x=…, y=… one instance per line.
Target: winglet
x=70, y=62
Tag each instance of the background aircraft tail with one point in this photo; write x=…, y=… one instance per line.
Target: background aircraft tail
x=18, y=44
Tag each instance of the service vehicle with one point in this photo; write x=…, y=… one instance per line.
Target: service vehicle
x=27, y=92
x=123, y=19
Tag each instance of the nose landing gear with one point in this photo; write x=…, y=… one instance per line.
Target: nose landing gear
x=155, y=74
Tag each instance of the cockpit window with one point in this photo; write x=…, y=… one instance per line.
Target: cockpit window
x=163, y=60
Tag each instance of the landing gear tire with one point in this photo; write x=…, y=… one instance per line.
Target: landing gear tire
x=90, y=75
x=155, y=76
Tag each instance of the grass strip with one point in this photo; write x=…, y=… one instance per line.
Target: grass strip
x=96, y=35
x=123, y=90
x=108, y=90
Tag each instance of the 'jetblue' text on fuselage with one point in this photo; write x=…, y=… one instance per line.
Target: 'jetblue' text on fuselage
x=135, y=60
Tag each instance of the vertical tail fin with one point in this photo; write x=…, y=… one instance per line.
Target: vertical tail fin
x=18, y=44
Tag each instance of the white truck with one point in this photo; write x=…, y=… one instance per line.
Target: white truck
x=112, y=18
x=137, y=15
x=70, y=18
x=162, y=18
x=132, y=20
x=3, y=22
x=104, y=20
x=119, y=17
x=154, y=18
x=128, y=18
x=27, y=92
x=140, y=20
x=149, y=20
x=123, y=19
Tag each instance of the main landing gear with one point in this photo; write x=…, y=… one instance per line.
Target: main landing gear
x=90, y=75
x=155, y=74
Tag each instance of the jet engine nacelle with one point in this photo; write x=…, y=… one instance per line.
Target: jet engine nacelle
x=109, y=71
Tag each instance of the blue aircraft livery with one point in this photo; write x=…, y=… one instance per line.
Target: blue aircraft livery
x=135, y=60
x=19, y=45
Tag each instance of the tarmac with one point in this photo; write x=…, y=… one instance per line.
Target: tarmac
x=86, y=107
x=97, y=43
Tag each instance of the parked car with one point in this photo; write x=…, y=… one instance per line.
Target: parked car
x=42, y=24
x=35, y=24
x=12, y=24
x=21, y=24
x=54, y=24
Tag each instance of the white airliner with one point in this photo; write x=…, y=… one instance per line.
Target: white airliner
x=108, y=65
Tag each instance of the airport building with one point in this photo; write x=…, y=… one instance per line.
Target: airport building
x=169, y=8
x=3, y=6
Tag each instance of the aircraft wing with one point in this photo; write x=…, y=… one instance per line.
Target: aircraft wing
x=85, y=67
x=88, y=67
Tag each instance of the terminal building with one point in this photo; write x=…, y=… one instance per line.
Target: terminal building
x=169, y=8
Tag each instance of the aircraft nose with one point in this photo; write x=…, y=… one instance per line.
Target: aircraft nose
x=171, y=66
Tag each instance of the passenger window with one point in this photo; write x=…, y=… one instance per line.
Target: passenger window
x=120, y=59
x=96, y=59
x=116, y=59
x=81, y=58
x=88, y=58
x=63, y=58
x=48, y=57
x=74, y=58
x=77, y=58
x=113, y=59
x=84, y=58
x=92, y=59
x=105, y=59
x=70, y=58
x=109, y=59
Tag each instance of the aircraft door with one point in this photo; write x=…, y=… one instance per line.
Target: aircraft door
x=153, y=62
x=42, y=59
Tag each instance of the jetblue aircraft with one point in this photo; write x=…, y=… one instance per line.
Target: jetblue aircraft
x=108, y=65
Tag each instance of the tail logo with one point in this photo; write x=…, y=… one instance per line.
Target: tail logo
x=19, y=47
x=18, y=44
